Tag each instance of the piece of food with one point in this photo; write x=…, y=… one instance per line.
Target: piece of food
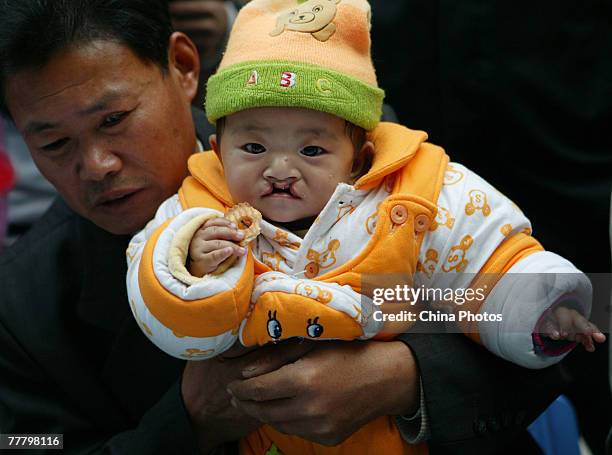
x=248, y=220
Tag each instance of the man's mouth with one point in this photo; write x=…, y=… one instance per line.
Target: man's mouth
x=115, y=198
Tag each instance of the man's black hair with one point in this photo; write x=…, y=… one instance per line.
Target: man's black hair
x=32, y=32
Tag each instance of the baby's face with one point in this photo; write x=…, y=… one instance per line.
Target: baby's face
x=285, y=162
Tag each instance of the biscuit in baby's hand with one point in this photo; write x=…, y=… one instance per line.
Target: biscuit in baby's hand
x=248, y=220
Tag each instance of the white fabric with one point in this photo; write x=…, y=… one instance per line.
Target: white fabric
x=522, y=296
x=473, y=220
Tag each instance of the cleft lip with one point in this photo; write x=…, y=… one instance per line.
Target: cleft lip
x=287, y=188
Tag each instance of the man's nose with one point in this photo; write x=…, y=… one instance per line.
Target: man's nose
x=97, y=162
x=281, y=168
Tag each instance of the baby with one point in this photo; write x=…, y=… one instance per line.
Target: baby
x=343, y=197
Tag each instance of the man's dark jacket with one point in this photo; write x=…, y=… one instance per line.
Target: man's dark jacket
x=73, y=361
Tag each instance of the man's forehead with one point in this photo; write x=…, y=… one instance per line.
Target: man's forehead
x=103, y=102
x=81, y=80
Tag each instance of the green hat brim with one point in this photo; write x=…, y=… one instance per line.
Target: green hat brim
x=290, y=84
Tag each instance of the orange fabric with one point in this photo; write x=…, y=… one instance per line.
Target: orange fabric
x=346, y=51
x=414, y=172
x=395, y=146
x=297, y=313
x=380, y=436
x=207, y=172
x=503, y=258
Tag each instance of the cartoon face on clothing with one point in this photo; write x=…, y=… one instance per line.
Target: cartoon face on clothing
x=273, y=260
x=313, y=16
x=275, y=329
x=328, y=257
x=285, y=162
x=452, y=175
x=478, y=201
x=371, y=221
x=282, y=238
x=314, y=329
x=456, y=259
x=443, y=218
x=345, y=208
x=314, y=292
x=431, y=262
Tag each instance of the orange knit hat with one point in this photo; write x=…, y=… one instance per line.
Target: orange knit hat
x=313, y=54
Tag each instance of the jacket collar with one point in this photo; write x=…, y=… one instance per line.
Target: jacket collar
x=394, y=146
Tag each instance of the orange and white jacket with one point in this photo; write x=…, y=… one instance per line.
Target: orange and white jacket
x=412, y=212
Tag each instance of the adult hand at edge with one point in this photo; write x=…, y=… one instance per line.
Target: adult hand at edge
x=332, y=391
x=204, y=390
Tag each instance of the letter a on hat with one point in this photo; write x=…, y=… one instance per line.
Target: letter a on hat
x=253, y=78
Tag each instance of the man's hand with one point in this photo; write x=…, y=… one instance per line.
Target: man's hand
x=204, y=390
x=332, y=391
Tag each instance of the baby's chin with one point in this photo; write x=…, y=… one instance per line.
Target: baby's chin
x=281, y=219
x=284, y=218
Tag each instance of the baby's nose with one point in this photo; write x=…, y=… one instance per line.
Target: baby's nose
x=281, y=169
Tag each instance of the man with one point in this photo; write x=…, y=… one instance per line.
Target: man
x=101, y=91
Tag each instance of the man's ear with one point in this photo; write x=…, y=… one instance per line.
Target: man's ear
x=212, y=140
x=184, y=62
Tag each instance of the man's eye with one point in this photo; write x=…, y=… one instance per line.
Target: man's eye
x=312, y=150
x=53, y=146
x=114, y=119
x=253, y=148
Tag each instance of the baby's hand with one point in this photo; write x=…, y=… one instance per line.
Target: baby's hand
x=212, y=244
x=568, y=324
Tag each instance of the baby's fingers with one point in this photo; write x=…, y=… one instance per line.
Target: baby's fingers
x=599, y=337
x=221, y=232
x=219, y=221
x=216, y=257
x=587, y=342
x=581, y=324
x=596, y=334
x=550, y=329
x=210, y=246
x=565, y=320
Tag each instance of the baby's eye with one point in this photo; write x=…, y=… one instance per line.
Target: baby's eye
x=312, y=150
x=253, y=148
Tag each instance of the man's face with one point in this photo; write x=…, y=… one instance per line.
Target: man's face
x=109, y=131
x=285, y=162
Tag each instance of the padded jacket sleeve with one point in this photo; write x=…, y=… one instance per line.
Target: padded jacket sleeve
x=185, y=316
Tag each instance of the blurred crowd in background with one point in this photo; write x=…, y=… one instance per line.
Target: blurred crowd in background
x=519, y=92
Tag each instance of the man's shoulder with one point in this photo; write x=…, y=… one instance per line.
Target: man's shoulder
x=59, y=223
